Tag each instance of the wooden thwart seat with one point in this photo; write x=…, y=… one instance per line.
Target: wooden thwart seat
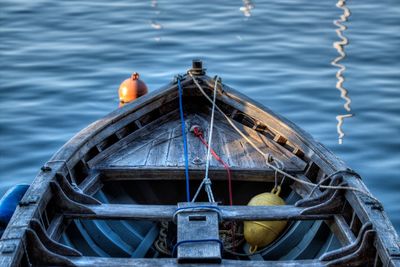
x=166, y=212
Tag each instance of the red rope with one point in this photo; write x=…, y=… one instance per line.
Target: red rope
x=197, y=132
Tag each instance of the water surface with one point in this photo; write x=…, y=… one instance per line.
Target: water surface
x=62, y=61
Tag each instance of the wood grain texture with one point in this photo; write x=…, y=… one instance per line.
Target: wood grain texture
x=124, y=262
x=110, y=174
x=163, y=147
x=166, y=212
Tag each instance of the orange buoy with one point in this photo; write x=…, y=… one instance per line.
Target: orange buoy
x=131, y=89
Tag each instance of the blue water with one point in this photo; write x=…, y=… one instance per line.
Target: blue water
x=62, y=61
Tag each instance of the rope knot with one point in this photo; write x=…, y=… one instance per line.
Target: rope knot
x=207, y=181
x=196, y=130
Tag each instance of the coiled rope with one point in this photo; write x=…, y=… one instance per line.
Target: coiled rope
x=269, y=157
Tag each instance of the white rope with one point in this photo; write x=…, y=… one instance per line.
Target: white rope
x=206, y=181
x=269, y=157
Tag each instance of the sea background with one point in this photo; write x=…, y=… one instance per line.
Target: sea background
x=61, y=63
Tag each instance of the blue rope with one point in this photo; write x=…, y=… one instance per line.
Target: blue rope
x=221, y=245
x=185, y=150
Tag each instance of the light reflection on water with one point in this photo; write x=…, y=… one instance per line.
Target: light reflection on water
x=154, y=24
x=247, y=7
x=340, y=119
x=62, y=61
x=339, y=46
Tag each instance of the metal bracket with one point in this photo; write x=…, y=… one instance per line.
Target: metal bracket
x=33, y=199
x=198, y=236
x=359, y=253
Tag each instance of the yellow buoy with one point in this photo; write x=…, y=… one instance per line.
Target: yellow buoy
x=261, y=233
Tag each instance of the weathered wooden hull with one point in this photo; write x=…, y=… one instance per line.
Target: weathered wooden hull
x=99, y=200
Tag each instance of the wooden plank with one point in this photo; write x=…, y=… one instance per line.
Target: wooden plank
x=91, y=184
x=56, y=226
x=235, y=152
x=126, y=262
x=175, y=153
x=109, y=174
x=220, y=149
x=256, y=159
x=235, y=146
x=137, y=150
x=268, y=146
x=159, y=149
x=341, y=230
x=140, y=137
x=166, y=212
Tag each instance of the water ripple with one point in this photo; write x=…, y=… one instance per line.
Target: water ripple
x=62, y=61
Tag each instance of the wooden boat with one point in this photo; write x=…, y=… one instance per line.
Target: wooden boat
x=114, y=195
